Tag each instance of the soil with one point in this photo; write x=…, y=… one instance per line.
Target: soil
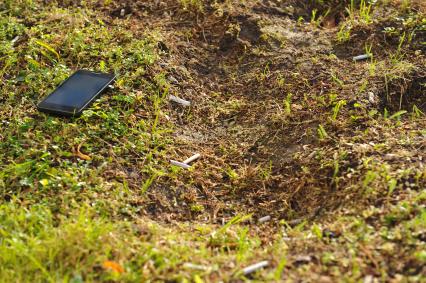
x=238, y=64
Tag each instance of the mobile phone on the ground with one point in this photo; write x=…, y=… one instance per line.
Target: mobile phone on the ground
x=76, y=93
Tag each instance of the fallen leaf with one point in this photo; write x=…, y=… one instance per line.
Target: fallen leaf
x=79, y=154
x=111, y=265
x=44, y=182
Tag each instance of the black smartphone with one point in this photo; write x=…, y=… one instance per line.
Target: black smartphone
x=76, y=93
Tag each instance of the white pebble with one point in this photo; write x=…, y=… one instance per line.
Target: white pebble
x=371, y=97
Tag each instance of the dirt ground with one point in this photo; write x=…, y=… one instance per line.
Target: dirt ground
x=239, y=63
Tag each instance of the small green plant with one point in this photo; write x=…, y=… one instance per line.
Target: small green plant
x=317, y=19
x=316, y=230
x=391, y=186
x=287, y=104
x=365, y=11
x=266, y=173
x=322, y=133
x=336, y=109
x=313, y=15
x=232, y=174
x=405, y=4
x=351, y=10
x=265, y=73
x=337, y=80
x=344, y=33
x=368, y=48
x=280, y=268
x=417, y=113
x=398, y=115
x=363, y=14
x=369, y=178
x=197, y=208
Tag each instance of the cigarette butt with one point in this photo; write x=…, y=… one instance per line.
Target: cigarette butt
x=192, y=158
x=255, y=267
x=195, y=266
x=264, y=219
x=362, y=57
x=180, y=100
x=122, y=12
x=180, y=164
x=14, y=40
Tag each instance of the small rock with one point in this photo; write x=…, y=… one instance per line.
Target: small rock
x=297, y=106
x=371, y=97
x=295, y=222
x=390, y=157
x=368, y=279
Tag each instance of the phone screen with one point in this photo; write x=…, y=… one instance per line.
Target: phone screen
x=78, y=90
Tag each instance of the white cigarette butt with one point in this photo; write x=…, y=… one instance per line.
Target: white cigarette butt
x=264, y=219
x=192, y=158
x=255, y=267
x=361, y=57
x=180, y=100
x=15, y=39
x=122, y=12
x=180, y=164
x=195, y=266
